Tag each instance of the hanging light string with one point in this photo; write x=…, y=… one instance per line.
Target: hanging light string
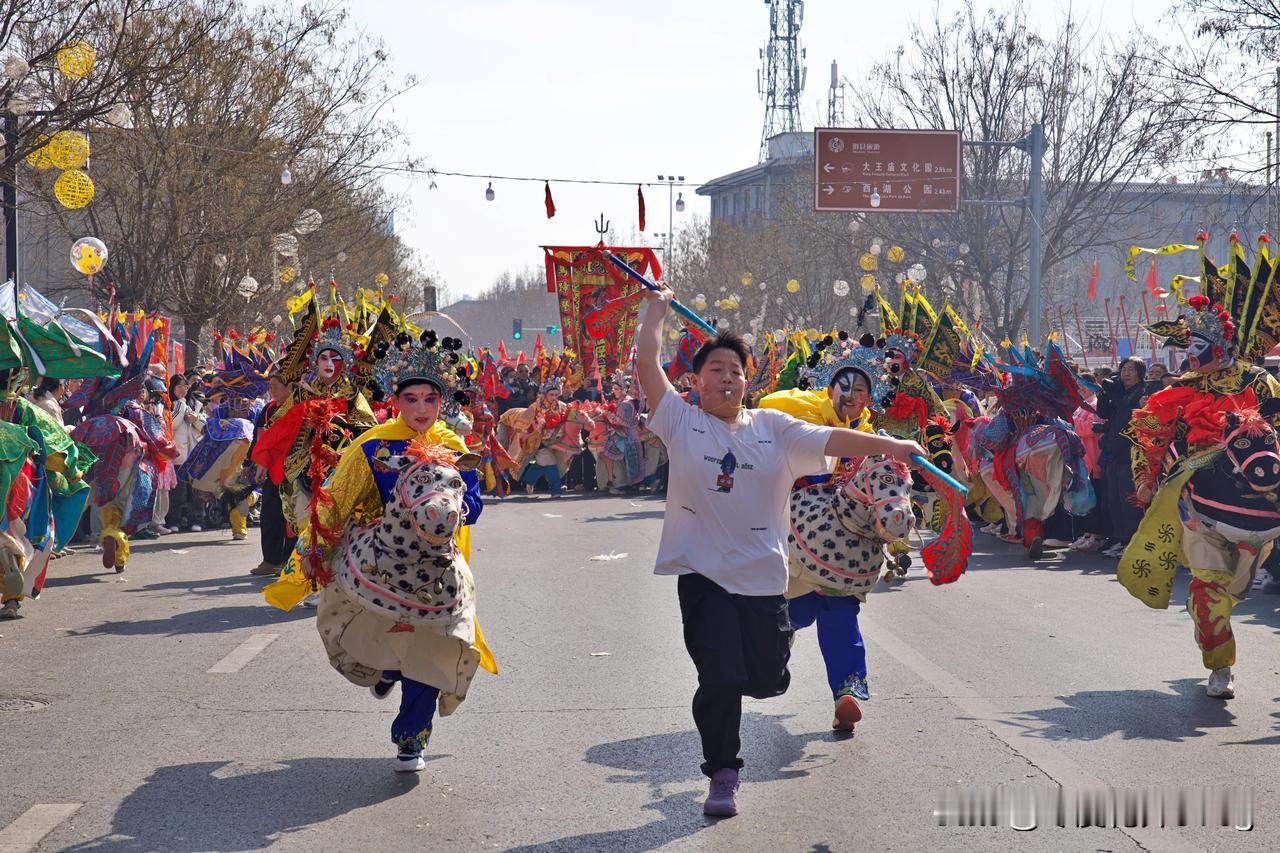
x=291, y=166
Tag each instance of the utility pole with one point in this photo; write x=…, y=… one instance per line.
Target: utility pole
x=1034, y=145
x=9, y=199
x=1035, y=201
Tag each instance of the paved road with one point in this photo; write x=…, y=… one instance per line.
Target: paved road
x=178, y=713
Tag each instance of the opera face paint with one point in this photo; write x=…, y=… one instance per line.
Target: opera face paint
x=328, y=365
x=1202, y=355
x=850, y=392
x=897, y=363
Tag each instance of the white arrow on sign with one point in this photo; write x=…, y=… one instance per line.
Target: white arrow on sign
x=828, y=189
x=828, y=168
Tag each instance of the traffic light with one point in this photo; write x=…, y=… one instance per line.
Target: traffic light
x=552, y=329
x=517, y=329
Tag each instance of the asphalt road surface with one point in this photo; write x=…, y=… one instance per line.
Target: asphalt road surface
x=171, y=710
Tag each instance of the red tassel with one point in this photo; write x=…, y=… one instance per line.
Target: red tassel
x=640, y=198
x=1093, y=281
x=551, y=205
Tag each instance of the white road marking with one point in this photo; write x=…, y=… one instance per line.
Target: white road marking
x=243, y=653
x=33, y=825
x=1054, y=764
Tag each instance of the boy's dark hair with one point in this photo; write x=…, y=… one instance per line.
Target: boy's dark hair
x=725, y=340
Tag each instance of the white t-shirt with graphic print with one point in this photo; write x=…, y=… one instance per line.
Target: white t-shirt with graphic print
x=728, y=492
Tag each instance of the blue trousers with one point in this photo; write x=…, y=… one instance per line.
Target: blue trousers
x=411, y=729
x=838, y=634
x=551, y=472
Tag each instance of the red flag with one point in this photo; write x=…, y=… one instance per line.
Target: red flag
x=1093, y=281
x=503, y=358
x=1156, y=292
x=640, y=197
x=551, y=205
x=537, y=349
x=519, y=358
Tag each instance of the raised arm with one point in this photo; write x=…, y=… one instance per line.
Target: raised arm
x=649, y=344
x=848, y=442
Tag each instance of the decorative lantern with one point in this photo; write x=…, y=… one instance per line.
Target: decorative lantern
x=75, y=59
x=840, y=288
x=381, y=279
x=308, y=222
x=896, y=254
x=68, y=149
x=793, y=286
x=73, y=189
x=868, y=261
x=39, y=158
x=747, y=279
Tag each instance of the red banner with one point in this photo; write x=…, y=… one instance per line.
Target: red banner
x=584, y=281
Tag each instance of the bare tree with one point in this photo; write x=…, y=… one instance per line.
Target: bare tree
x=192, y=197
x=988, y=75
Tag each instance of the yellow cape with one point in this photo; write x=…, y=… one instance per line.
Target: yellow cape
x=355, y=495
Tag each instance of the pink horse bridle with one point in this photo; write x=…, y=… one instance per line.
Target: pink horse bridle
x=411, y=505
x=861, y=494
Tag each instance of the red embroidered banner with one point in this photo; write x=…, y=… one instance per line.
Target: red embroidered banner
x=584, y=281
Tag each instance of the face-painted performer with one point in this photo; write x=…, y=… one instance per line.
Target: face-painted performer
x=390, y=545
x=1214, y=509
x=326, y=409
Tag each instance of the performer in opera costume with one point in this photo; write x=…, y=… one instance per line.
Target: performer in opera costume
x=848, y=382
x=299, y=444
x=133, y=446
x=389, y=542
x=1213, y=506
x=1028, y=454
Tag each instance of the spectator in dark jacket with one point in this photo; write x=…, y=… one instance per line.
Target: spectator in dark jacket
x=1116, y=403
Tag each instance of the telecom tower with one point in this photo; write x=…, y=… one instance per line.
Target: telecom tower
x=782, y=75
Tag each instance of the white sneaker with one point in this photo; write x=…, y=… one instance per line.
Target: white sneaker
x=1056, y=543
x=992, y=529
x=1114, y=552
x=195, y=528
x=410, y=764
x=1222, y=685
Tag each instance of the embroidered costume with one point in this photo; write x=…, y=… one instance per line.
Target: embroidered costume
x=1210, y=459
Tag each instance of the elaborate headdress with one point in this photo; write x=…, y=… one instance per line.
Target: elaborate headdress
x=332, y=337
x=1238, y=307
x=831, y=356
x=908, y=332
x=427, y=359
x=1043, y=387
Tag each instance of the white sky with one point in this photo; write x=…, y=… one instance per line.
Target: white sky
x=607, y=89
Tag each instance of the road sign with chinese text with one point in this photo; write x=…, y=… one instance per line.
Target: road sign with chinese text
x=902, y=171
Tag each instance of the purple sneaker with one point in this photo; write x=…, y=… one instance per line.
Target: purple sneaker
x=720, y=802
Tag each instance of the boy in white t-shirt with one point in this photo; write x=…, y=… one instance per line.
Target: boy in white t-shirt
x=725, y=531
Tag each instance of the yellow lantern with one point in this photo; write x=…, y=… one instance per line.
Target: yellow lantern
x=747, y=279
x=896, y=254
x=68, y=149
x=381, y=279
x=793, y=286
x=867, y=283
x=287, y=274
x=73, y=189
x=868, y=262
x=39, y=158
x=75, y=59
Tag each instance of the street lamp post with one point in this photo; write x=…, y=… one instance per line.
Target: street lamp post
x=9, y=199
x=673, y=205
